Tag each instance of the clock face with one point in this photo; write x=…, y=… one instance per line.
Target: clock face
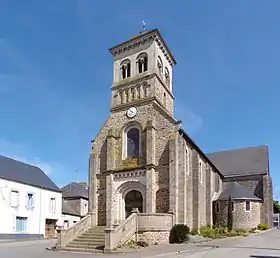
x=131, y=112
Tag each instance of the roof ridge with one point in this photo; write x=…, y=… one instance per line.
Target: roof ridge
x=21, y=162
x=239, y=149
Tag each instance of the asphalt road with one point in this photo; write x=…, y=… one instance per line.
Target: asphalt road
x=264, y=245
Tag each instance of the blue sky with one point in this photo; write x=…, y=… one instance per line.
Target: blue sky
x=56, y=74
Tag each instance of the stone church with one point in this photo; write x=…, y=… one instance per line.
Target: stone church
x=146, y=174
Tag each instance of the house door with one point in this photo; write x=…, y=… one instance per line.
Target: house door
x=50, y=228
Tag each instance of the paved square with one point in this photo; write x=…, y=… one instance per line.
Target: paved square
x=264, y=245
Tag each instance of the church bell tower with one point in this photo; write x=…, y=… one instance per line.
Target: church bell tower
x=142, y=73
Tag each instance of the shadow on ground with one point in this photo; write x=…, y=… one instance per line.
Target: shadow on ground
x=262, y=256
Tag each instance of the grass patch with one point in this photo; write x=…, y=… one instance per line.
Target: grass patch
x=221, y=232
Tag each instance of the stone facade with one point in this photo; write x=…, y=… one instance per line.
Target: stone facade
x=261, y=185
x=141, y=150
x=242, y=218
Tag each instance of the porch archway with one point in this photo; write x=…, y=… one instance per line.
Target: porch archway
x=133, y=199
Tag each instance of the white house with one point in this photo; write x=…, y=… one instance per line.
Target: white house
x=30, y=202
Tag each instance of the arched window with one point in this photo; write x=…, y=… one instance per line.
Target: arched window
x=160, y=65
x=164, y=99
x=125, y=69
x=133, y=143
x=187, y=161
x=167, y=76
x=142, y=63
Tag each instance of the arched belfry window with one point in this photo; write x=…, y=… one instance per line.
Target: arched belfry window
x=142, y=63
x=167, y=76
x=125, y=69
x=160, y=65
x=132, y=143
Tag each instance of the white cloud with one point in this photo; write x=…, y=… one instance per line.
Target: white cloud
x=191, y=122
x=18, y=152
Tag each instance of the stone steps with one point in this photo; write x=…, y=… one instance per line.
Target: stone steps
x=81, y=250
x=92, y=240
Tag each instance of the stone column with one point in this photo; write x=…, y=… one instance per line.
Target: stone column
x=195, y=187
x=150, y=173
x=92, y=189
x=110, y=210
x=173, y=175
x=209, y=219
x=111, y=155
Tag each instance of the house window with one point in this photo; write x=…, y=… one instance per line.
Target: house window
x=85, y=208
x=21, y=224
x=217, y=183
x=217, y=207
x=14, y=198
x=164, y=99
x=52, y=205
x=142, y=63
x=133, y=142
x=187, y=161
x=65, y=224
x=201, y=172
x=30, y=200
x=248, y=206
x=125, y=69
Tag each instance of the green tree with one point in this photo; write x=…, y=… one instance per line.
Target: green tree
x=276, y=207
x=230, y=214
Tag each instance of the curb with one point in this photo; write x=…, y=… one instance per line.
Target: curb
x=233, y=238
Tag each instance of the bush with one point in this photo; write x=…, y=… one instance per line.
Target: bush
x=220, y=230
x=142, y=243
x=253, y=230
x=230, y=214
x=263, y=227
x=240, y=230
x=207, y=231
x=179, y=234
x=194, y=232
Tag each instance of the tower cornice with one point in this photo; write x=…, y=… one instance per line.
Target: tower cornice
x=143, y=38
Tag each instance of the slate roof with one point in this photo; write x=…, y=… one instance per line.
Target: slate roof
x=74, y=190
x=237, y=192
x=241, y=162
x=188, y=138
x=20, y=172
x=69, y=208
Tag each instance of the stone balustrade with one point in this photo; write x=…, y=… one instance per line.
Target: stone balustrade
x=150, y=227
x=65, y=236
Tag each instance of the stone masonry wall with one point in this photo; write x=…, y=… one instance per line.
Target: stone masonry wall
x=154, y=237
x=195, y=190
x=118, y=121
x=241, y=218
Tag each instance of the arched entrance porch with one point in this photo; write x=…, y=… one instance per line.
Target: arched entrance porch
x=130, y=195
x=133, y=199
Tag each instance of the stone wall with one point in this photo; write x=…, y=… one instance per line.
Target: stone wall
x=241, y=218
x=262, y=187
x=163, y=125
x=154, y=237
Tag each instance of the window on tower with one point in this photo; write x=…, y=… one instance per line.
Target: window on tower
x=160, y=65
x=133, y=143
x=167, y=76
x=125, y=69
x=142, y=63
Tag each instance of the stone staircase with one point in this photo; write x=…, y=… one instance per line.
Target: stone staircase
x=93, y=240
